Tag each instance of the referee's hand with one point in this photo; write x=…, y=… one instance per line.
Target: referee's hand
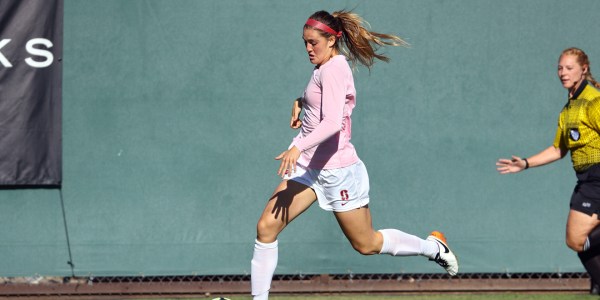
x=514, y=165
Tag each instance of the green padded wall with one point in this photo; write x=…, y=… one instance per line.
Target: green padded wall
x=174, y=111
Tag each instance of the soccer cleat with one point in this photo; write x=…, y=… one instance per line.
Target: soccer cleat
x=445, y=257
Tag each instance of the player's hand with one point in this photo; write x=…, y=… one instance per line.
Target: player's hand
x=295, y=121
x=513, y=165
x=288, y=161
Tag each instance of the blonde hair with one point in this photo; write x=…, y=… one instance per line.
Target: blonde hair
x=583, y=61
x=357, y=43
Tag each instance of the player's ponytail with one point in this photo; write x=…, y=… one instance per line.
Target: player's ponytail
x=356, y=42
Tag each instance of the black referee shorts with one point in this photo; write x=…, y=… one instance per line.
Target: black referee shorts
x=586, y=195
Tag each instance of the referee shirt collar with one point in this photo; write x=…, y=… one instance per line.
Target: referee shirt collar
x=582, y=86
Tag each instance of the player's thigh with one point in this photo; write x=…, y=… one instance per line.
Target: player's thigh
x=289, y=200
x=579, y=226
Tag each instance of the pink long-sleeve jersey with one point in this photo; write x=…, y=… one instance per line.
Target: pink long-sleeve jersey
x=328, y=100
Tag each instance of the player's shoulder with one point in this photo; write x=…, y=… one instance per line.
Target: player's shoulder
x=336, y=64
x=337, y=67
x=590, y=93
x=593, y=100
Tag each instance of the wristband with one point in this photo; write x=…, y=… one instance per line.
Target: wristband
x=526, y=164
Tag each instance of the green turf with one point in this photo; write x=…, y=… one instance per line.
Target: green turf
x=486, y=296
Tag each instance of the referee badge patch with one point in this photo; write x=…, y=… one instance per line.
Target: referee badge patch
x=574, y=133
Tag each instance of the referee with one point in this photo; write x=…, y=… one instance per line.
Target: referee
x=578, y=132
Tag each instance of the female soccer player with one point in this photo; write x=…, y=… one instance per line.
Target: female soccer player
x=579, y=132
x=321, y=163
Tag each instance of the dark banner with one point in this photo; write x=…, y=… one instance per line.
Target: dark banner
x=31, y=39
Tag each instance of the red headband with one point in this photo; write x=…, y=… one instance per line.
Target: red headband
x=318, y=25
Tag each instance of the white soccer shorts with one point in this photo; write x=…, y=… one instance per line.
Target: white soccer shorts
x=337, y=190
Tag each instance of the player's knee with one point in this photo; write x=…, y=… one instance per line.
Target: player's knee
x=364, y=249
x=267, y=230
x=263, y=227
x=575, y=244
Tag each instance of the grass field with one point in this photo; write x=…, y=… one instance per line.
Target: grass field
x=486, y=296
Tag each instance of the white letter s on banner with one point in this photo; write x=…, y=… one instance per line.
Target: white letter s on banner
x=39, y=52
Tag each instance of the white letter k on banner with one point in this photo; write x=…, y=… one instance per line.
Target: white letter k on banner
x=3, y=59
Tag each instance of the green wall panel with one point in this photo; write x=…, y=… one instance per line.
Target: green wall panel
x=33, y=240
x=174, y=111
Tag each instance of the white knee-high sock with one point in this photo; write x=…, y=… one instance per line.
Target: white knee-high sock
x=398, y=243
x=264, y=262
